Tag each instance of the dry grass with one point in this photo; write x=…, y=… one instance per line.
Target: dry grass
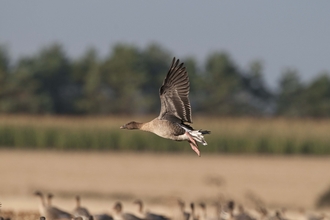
x=103, y=178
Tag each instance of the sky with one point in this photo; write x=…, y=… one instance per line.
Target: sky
x=282, y=34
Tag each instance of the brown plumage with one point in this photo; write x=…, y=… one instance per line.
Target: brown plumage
x=79, y=210
x=49, y=211
x=149, y=215
x=120, y=215
x=175, y=110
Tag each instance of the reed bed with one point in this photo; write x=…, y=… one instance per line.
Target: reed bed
x=229, y=135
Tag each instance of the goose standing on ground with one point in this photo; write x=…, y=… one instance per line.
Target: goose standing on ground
x=148, y=215
x=175, y=110
x=227, y=213
x=49, y=199
x=56, y=213
x=193, y=215
x=204, y=214
x=184, y=215
x=242, y=214
x=79, y=210
x=119, y=215
x=51, y=212
x=43, y=205
x=101, y=217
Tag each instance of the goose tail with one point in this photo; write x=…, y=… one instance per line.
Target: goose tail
x=197, y=135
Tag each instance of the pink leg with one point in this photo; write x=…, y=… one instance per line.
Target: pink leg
x=195, y=149
x=193, y=144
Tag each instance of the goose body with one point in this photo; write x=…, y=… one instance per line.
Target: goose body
x=175, y=110
x=120, y=215
x=149, y=215
x=49, y=211
x=42, y=205
x=183, y=214
x=79, y=210
x=102, y=217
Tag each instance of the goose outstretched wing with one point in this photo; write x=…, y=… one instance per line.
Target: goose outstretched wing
x=174, y=94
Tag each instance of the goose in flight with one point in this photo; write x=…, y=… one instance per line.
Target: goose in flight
x=175, y=110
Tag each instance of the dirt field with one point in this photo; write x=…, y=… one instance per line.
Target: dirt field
x=103, y=178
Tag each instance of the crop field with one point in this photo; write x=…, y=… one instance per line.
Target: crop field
x=229, y=135
x=278, y=164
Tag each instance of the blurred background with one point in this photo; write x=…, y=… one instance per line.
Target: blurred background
x=72, y=73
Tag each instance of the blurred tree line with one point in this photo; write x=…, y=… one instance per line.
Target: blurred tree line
x=127, y=80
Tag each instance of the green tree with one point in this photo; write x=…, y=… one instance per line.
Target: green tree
x=197, y=84
x=42, y=83
x=52, y=71
x=25, y=90
x=125, y=74
x=222, y=86
x=156, y=62
x=317, y=97
x=4, y=63
x=255, y=82
x=290, y=98
x=128, y=79
x=257, y=94
x=4, y=75
x=93, y=92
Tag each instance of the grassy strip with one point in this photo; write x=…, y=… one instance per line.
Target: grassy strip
x=229, y=135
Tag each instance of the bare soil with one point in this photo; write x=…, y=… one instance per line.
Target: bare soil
x=102, y=178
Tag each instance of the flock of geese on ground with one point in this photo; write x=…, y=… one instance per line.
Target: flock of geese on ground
x=50, y=212
x=222, y=211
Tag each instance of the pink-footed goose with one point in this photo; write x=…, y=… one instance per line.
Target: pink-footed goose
x=120, y=215
x=148, y=215
x=79, y=210
x=175, y=110
x=49, y=211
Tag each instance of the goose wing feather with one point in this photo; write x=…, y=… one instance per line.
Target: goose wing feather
x=174, y=92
